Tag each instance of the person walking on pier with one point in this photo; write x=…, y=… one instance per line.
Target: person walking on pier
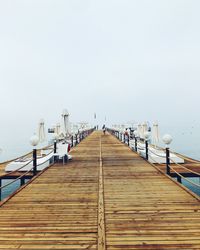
x=126, y=136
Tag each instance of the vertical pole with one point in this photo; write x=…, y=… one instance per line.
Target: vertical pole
x=179, y=179
x=22, y=181
x=72, y=141
x=128, y=140
x=167, y=161
x=55, y=146
x=135, y=144
x=147, y=150
x=76, y=139
x=34, y=161
x=0, y=189
x=54, y=150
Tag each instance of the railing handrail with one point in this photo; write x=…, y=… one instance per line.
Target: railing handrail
x=16, y=170
x=189, y=170
x=46, y=159
x=28, y=171
x=16, y=179
x=23, y=156
x=182, y=157
x=180, y=175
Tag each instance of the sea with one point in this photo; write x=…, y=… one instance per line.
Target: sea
x=186, y=140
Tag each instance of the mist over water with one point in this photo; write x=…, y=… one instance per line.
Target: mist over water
x=186, y=140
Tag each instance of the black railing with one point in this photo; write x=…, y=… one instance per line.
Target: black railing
x=141, y=144
x=33, y=171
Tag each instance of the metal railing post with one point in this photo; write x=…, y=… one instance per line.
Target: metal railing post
x=179, y=179
x=55, y=146
x=72, y=141
x=167, y=161
x=22, y=181
x=147, y=150
x=0, y=189
x=34, y=161
x=135, y=144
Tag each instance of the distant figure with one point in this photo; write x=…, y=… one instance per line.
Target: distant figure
x=126, y=132
x=104, y=129
x=126, y=136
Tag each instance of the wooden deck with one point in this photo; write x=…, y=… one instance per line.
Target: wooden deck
x=106, y=198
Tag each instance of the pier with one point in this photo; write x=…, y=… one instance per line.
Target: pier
x=107, y=197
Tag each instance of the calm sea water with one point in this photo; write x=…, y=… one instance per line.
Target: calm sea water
x=186, y=140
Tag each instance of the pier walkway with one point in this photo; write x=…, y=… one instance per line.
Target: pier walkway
x=106, y=198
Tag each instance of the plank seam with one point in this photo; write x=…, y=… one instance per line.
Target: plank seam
x=101, y=214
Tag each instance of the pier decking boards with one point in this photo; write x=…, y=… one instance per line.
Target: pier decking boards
x=106, y=198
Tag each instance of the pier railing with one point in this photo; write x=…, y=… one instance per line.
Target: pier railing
x=170, y=164
x=33, y=171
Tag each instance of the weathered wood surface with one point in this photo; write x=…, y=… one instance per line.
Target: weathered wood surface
x=142, y=208
x=101, y=212
x=59, y=209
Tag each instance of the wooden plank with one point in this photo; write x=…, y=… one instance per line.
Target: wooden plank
x=143, y=208
x=106, y=198
x=101, y=219
x=59, y=209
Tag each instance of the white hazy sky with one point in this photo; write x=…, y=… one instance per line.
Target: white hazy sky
x=123, y=59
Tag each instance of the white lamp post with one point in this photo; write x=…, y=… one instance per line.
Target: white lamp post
x=136, y=135
x=55, y=137
x=146, y=137
x=167, y=139
x=34, y=140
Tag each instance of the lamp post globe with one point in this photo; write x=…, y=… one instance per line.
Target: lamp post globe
x=55, y=136
x=65, y=112
x=136, y=134
x=34, y=140
x=167, y=139
x=147, y=135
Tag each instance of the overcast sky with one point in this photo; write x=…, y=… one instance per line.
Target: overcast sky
x=126, y=60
